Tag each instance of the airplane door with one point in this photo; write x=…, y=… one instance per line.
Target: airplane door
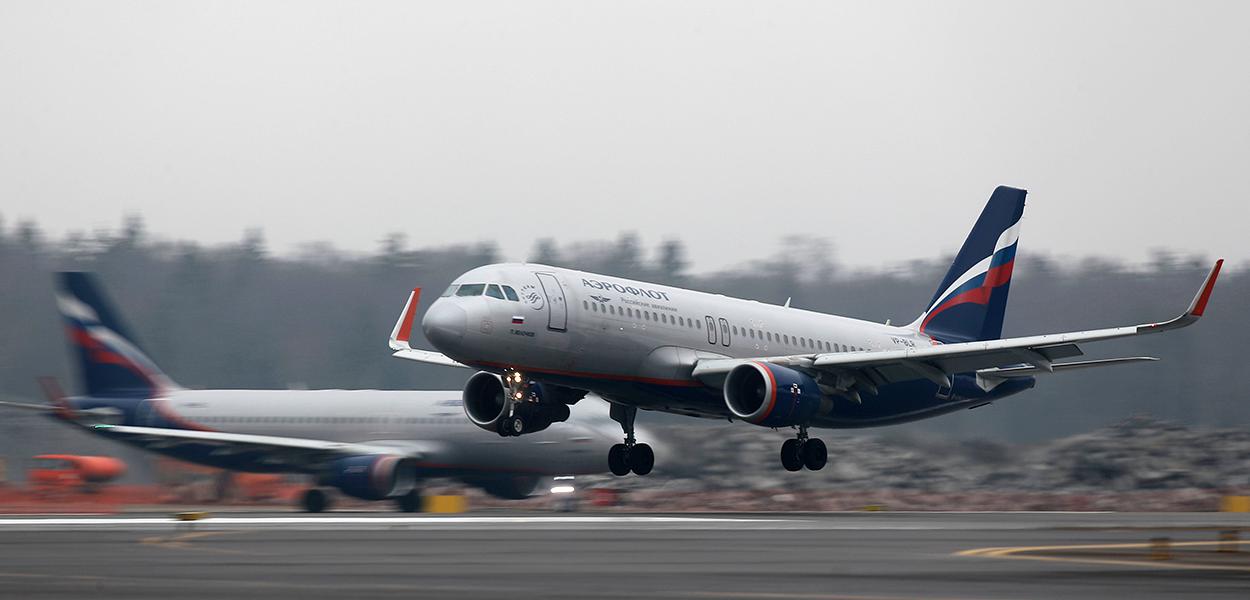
x=557, y=310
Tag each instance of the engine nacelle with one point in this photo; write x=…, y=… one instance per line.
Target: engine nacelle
x=484, y=400
x=486, y=405
x=372, y=476
x=771, y=396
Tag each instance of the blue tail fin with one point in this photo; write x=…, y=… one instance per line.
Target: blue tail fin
x=110, y=361
x=971, y=302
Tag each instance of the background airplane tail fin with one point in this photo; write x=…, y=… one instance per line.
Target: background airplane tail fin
x=971, y=301
x=110, y=361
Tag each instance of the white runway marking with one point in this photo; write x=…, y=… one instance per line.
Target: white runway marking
x=350, y=522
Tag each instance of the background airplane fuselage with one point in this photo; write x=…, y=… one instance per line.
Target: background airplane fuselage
x=431, y=421
x=636, y=342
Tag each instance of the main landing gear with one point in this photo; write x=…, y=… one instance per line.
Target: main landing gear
x=629, y=456
x=801, y=451
x=314, y=500
x=409, y=502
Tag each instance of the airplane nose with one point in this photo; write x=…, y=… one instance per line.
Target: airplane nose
x=444, y=325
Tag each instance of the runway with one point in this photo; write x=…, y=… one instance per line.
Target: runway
x=851, y=556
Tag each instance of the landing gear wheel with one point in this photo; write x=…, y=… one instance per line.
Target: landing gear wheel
x=641, y=459
x=314, y=500
x=410, y=502
x=513, y=425
x=815, y=455
x=618, y=460
x=791, y=458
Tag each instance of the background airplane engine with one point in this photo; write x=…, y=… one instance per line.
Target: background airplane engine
x=507, y=487
x=772, y=396
x=372, y=477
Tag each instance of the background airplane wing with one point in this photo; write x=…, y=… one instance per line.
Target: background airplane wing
x=403, y=330
x=286, y=453
x=1003, y=358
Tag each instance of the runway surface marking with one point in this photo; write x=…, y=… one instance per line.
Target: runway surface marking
x=183, y=542
x=1027, y=553
x=390, y=522
x=810, y=596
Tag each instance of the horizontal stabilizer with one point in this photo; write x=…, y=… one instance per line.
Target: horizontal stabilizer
x=25, y=406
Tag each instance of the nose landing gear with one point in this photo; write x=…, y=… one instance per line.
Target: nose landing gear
x=801, y=451
x=629, y=456
x=530, y=407
x=515, y=392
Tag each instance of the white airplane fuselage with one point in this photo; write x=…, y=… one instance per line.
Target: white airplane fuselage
x=636, y=343
x=430, y=422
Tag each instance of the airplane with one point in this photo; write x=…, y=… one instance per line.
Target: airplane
x=543, y=336
x=369, y=444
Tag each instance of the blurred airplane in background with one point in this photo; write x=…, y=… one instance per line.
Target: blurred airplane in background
x=546, y=336
x=369, y=444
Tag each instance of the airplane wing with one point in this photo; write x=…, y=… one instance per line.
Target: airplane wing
x=402, y=331
x=991, y=359
x=296, y=454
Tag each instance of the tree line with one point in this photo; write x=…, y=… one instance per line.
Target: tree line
x=239, y=316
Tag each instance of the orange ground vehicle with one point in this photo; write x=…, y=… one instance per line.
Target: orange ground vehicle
x=61, y=474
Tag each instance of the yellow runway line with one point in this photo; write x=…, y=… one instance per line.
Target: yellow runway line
x=1022, y=553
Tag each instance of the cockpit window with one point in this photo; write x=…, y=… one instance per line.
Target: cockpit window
x=451, y=289
x=471, y=289
x=494, y=292
x=511, y=294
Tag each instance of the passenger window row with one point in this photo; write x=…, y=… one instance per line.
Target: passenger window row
x=697, y=324
x=493, y=290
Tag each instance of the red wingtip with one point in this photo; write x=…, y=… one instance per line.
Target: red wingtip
x=56, y=396
x=405, y=330
x=1200, y=303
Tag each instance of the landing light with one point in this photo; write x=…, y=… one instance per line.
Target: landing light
x=562, y=489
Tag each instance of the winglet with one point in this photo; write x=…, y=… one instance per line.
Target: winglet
x=1199, y=305
x=403, y=327
x=1196, y=308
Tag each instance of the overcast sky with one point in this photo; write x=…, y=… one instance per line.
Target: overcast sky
x=880, y=126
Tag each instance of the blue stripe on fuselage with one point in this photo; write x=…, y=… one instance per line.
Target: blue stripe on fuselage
x=894, y=403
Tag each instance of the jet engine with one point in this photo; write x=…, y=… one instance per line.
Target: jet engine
x=485, y=401
x=772, y=396
x=486, y=404
x=507, y=487
x=372, y=477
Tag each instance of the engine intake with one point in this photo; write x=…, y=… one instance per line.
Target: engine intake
x=372, y=476
x=484, y=400
x=771, y=396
